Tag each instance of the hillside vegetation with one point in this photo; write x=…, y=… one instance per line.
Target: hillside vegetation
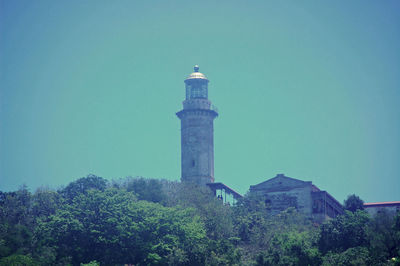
x=141, y=221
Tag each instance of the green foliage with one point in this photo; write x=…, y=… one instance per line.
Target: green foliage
x=255, y=225
x=16, y=222
x=15, y=206
x=18, y=260
x=287, y=238
x=82, y=185
x=157, y=222
x=343, y=232
x=250, y=217
x=396, y=233
x=92, y=263
x=216, y=216
x=113, y=227
x=352, y=256
x=353, y=203
x=383, y=237
x=223, y=252
x=14, y=239
x=146, y=189
x=292, y=248
x=45, y=202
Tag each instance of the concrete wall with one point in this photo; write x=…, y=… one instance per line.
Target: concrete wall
x=283, y=192
x=300, y=198
x=390, y=209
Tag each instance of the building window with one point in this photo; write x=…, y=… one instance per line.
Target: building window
x=198, y=92
x=193, y=163
x=188, y=88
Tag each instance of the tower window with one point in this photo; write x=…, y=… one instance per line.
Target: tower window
x=197, y=91
x=193, y=163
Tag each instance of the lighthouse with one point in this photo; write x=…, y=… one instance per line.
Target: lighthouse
x=197, y=131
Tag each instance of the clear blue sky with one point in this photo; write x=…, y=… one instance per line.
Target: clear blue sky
x=310, y=89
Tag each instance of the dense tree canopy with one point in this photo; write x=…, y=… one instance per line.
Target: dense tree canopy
x=353, y=203
x=156, y=222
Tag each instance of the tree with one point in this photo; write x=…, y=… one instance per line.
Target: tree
x=382, y=236
x=16, y=222
x=157, y=222
x=287, y=238
x=353, y=203
x=351, y=256
x=112, y=227
x=290, y=248
x=343, y=232
x=82, y=185
x=216, y=216
x=45, y=202
x=92, y=263
x=15, y=207
x=18, y=260
x=250, y=218
x=146, y=189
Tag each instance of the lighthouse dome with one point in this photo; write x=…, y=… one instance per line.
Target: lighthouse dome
x=196, y=74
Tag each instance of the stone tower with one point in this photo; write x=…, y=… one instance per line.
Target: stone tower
x=197, y=131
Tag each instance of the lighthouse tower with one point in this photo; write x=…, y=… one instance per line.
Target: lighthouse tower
x=197, y=131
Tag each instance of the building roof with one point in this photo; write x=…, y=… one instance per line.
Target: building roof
x=274, y=184
x=225, y=187
x=382, y=204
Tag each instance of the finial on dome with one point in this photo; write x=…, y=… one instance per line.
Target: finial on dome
x=196, y=68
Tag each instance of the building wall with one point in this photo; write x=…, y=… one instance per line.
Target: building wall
x=300, y=198
x=390, y=209
x=283, y=192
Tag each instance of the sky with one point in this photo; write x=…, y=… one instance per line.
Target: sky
x=310, y=89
